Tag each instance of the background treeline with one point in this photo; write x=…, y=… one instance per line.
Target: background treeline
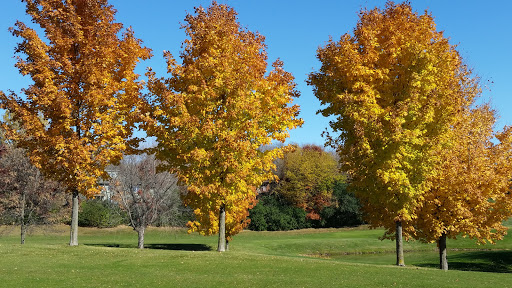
x=135, y=195
x=311, y=193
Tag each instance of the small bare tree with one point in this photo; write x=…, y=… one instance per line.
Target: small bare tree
x=26, y=197
x=144, y=193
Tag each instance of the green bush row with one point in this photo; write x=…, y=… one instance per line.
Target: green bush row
x=101, y=214
x=273, y=213
x=104, y=214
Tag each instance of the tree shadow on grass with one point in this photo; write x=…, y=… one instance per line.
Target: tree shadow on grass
x=179, y=247
x=175, y=247
x=497, y=261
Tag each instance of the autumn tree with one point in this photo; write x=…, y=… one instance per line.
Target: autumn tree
x=395, y=87
x=470, y=191
x=310, y=174
x=214, y=112
x=79, y=112
x=142, y=192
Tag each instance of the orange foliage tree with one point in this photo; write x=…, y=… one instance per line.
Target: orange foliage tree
x=396, y=86
x=309, y=177
x=470, y=191
x=79, y=112
x=214, y=112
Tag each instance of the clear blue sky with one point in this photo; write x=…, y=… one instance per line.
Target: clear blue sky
x=295, y=29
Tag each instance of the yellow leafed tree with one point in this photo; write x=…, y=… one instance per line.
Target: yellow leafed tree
x=310, y=174
x=470, y=191
x=79, y=113
x=395, y=87
x=213, y=114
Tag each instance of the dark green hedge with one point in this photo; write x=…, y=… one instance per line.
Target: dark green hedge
x=273, y=213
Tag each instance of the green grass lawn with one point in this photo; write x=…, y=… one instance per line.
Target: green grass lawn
x=305, y=258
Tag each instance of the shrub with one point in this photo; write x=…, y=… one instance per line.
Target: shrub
x=274, y=214
x=177, y=216
x=101, y=214
x=344, y=210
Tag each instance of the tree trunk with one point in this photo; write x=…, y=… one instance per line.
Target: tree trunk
x=140, y=231
x=22, y=217
x=23, y=232
x=73, y=241
x=222, y=229
x=399, y=245
x=227, y=245
x=443, y=263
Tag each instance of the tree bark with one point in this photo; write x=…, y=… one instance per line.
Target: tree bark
x=23, y=232
x=140, y=232
x=443, y=262
x=22, y=217
x=73, y=241
x=399, y=245
x=222, y=229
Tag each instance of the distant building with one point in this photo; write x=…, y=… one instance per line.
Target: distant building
x=104, y=185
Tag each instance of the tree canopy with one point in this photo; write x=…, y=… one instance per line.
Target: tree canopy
x=215, y=111
x=80, y=110
x=395, y=87
x=310, y=174
x=469, y=195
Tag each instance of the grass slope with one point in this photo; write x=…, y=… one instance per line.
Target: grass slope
x=342, y=257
